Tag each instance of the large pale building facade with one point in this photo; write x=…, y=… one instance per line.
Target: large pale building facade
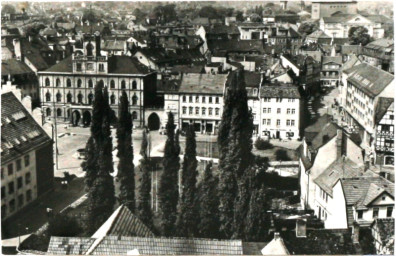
x=67, y=88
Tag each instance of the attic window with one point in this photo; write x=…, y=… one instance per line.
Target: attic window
x=33, y=134
x=7, y=120
x=17, y=141
x=19, y=115
x=23, y=138
x=8, y=145
x=383, y=198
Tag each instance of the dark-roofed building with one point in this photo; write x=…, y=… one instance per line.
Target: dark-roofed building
x=365, y=84
x=224, y=47
x=318, y=37
x=361, y=200
x=26, y=157
x=379, y=53
x=384, y=132
x=124, y=245
x=67, y=88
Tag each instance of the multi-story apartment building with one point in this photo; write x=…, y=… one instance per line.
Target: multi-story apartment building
x=330, y=70
x=365, y=85
x=338, y=26
x=27, y=170
x=322, y=9
x=67, y=88
x=280, y=106
x=384, y=132
x=379, y=53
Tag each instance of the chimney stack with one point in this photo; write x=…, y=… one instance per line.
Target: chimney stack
x=17, y=49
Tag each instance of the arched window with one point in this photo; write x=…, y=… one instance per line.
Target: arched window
x=59, y=112
x=68, y=113
x=112, y=84
x=68, y=82
x=90, y=84
x=69, y=97
x=48, y=112
x=58, y=97
x=80, y=98
x=48, y=96
x=134, y=85
x=134, y=115
x=90, y=98
x=58, y=82
x=134, y=100
x=79, y=83
x=122, y=84
x=47, y=82
x=89, y=49
x=112, y=99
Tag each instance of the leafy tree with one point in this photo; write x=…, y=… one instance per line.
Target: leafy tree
x=8, y=9
x=359, y=35
x=208, y=205
x=255, y=17
x=139, y=14
x=168, y=190
x=239, y=16
x=63, y=225
x=188, y=217
x=281, y=155
x=101, y=198
x=144, y=209
x=208, y=12
x=166, y=13
x=126, y=174
x=90, y=15
x=307, y=28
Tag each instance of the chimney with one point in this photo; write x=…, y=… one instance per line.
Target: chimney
x=339, y=143
x=17, y=48
x=276, y=236
x=301, y=228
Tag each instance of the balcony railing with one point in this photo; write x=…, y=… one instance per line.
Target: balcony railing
x=384, y=149
x=89, y=58
x=385, y=133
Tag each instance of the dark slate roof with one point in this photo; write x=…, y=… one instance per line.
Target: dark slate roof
x=280, y=91
x=354, y=60
x=253, y=248
x=69, y=245
x=113, y=245
x=203, y=83
x=236, y=45
x=168, y=86
x=123, y=223
x=116, y=65
x=14, y=67
x=332, y=59
x=385, y=229
x=252, y=79
x=223, y=29
x=186, y=69
x=382, y=107
x=327, y=132
x=113, y=45
x=340, y=168
x=318, y=34
x=20, y=133
x=369, y=79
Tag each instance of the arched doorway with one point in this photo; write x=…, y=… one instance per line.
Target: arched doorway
x=87, y=118
x=76, y=116
x=153, y=122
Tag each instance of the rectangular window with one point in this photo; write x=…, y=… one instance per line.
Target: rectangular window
x=293, y=111
x=288, y=111
x=27, y=178
x=203, y=99
x=18, y=164
x=389, y=211
x=269, y=110
x=10, y=169
x=190, y=110
x=203, y=111
x=12, y=205
x=2, y=173
x=3, y=192
x=375, y=212
x=190, y=99
x=210, y=99
x=264, y=121
x=360, y=214
x=211, y=111
x=217, y=100
x=277, y=122
x=278, y=111
x=292, y=123
x=184, y=99
x=79, y=66
x=196, y=110
x=217, y=111
x=264, y=110
x=11, y=187
x=27, y=160
x=184, y=110
x=28, y=195
x=19, y=182
x=197, y=99
x=268, y=122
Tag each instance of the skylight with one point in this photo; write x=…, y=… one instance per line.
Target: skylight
x=18, y=115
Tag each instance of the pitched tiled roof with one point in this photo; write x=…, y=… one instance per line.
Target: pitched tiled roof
x=318, y=34
x=203, y=83
x=236, y=45
x=14, y=67
x=358, y=189
x=167, y=246
x=116, y=65
x=20, y=133
x=69, y=245
x=350, y=49
x=252, y=79
x=340, y=168
x=186, y=69
x=354, y=60
x=369, y=79
x=311, y=131
x=280, y=91
x=382, y=107
x=330, y=59
x=123, y=223
x=113, y=45
x=327, y=132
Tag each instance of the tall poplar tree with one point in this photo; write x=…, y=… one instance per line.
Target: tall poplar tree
x=144, y=209
x=189, y=215
x=208, y=205
x=168, y=190
x=126, y=173
x=101, y=198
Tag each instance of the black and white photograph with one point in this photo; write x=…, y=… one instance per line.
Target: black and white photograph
x=197, y=127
